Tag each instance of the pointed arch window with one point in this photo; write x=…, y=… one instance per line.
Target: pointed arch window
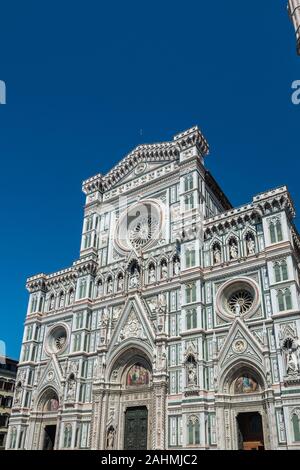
x=193, y=430
x=275, y=231
x=284, y=300
x=190, y=257
x=189, y=202
x=191, y=319
x=296, y=425
x=34, y=302
x=190, y=293
x=13, y=438
x=281, y=271
x=188, y=182
x=82, y=288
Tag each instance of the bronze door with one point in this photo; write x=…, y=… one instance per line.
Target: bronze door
x=136, y=423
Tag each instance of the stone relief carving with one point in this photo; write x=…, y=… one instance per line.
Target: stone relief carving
x=132, y=328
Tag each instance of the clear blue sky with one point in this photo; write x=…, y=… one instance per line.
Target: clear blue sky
x=87, y=82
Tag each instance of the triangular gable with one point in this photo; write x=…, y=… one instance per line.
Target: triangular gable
x=52, y=375
x=133, y=323
x=240, y=343
x=152, y=154
x=140, y=170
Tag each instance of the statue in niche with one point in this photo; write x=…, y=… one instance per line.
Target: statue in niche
x=71, y=388
x=250, y=246
x=164, y=270
x=152, y=274
x=99, y=289
x=52, y=302
x=192, y=374
x=110, y=438
x=109, y=286
x=61, y=300
x=72, y=294
x=176, y=267
x=217, y=254
x=104, y=324
x=292, y=363
x=233, y=250
x=134, y=279
x=120, y=283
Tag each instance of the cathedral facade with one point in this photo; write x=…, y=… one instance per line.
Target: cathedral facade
x=176, y=328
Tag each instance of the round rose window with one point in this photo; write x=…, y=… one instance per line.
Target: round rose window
x=237, y=297
x=57, y=339
x=140, y=226
x=143, y=230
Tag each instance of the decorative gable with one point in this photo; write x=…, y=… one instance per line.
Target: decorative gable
x=240, y=343
x=133, y=324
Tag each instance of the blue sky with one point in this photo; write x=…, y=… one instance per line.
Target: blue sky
x=88, y=81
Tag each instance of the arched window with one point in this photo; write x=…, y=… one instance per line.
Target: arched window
x=284, y=300
x=87, y=240
x=193, y=430
x=188, y=182
x=296, y=424
x=67, y=436
x=190, y=257
x=277, y=272
x=191, y=319
x=189, y=202
x=82, y=288
x=89, y=223
x=34, y=303
x=280, y=271
x=13, y=438
x=190, y=293
x=275, y=231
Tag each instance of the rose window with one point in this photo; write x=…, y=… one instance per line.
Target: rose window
x=140, y=226
x=239, y=296
x=57, y=339
x=143, y=231
x=240, y=301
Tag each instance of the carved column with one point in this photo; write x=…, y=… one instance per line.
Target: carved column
x=98, y=396
x=159, y=415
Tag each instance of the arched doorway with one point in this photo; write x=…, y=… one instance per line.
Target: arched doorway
x=126, y=422
x=48, y=408
x=243, y=409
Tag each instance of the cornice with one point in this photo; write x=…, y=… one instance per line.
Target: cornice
x=268, y=203
x=192, y=137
